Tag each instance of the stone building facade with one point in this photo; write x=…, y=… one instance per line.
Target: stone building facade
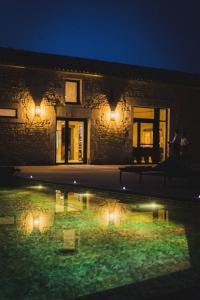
x=117, y=110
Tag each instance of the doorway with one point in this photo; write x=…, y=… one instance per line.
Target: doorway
x=150, y=134
x=71, y=141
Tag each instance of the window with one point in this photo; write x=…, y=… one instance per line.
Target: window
x=150, y=134
x=143, y=112
x=72, y=91
x=8, y=113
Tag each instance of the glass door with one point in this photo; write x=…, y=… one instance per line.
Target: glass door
x=143, y=141
x=60, y=141
x=75, y=141
x=71, y=141
x=150, y=129
x=146, y=135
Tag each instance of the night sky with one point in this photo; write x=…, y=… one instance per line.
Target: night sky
x=157, y=33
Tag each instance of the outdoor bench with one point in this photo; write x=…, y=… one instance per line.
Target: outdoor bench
x=185, y=173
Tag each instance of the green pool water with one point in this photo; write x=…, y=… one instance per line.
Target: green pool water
x=62, y=244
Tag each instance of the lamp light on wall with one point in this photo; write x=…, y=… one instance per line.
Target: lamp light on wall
x=113, y=115
x=38, y=110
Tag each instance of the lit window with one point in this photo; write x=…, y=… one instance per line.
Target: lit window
x=72, y=91
x=143, y=112
x=163, y=114
x=8, y=113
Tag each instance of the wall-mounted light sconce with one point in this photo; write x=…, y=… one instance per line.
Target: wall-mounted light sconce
x=113, y=115
x=37, y=110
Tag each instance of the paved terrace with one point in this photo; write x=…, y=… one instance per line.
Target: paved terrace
x=107, y=177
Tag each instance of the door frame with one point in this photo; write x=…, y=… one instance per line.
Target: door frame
x=155, y=121
x=85, y=142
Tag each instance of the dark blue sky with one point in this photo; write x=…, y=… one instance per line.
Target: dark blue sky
x=158, y=33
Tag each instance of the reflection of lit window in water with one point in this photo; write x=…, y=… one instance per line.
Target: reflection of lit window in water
x=74, y=201
x=77, y=201
x=60, y=201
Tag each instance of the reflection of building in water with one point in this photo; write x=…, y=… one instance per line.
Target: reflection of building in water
x=71, y=238
x=77, y=201
x=35, y=220
x=147, y=213
x=71, y=201
x=60, y=201
x=112, y=212
x=115, y=212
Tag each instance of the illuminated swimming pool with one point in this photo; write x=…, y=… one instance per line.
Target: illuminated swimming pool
x=62, y=244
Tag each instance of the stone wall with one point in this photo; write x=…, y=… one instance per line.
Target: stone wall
x=30, y=139
x=111, y=141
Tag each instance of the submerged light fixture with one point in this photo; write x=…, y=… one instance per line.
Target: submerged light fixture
x=39, y=187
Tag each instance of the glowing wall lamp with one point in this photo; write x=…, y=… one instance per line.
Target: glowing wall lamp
x=38, y=110
x=113, y=115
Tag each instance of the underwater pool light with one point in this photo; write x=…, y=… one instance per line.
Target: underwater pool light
x=153, y=205
x=85, y=194
x=39, y=187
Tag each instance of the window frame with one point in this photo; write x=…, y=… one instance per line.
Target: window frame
x=79, y=91
x=156, y=121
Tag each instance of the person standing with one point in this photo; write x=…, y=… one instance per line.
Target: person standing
x=184, y=147
x=175, y=143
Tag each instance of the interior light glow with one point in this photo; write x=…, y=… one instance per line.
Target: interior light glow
x=74, y=182
x=124, y=188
